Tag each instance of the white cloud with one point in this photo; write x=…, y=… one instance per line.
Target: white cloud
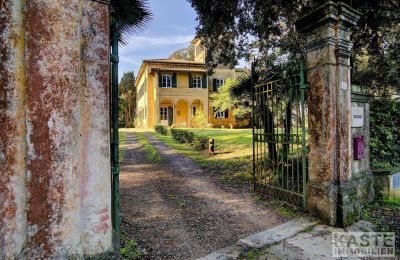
x=136, y=43
x=130, y=60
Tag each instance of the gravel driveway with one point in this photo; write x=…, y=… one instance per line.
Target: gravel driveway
x=176, y=211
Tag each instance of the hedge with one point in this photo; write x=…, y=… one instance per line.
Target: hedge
x=160, y=129
x=385, y=133
x=186, y=136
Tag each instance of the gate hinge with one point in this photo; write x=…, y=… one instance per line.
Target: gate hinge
x=306, y=149
x=115, y=170
x=114, y=58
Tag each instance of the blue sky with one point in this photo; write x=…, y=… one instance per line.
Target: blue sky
x=172, y=27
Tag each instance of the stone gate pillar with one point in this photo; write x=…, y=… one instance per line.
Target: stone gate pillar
x=55, y=183
x=334, y=193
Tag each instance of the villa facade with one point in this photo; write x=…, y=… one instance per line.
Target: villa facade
x=171, y=92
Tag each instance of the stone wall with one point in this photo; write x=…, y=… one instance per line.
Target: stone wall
x=55, y=189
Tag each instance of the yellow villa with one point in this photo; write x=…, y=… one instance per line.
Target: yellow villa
x=171, y=92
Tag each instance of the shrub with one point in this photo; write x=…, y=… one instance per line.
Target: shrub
x=160, y=129
x=186, y=136
x=385, y=133
x=200, y=142
x=177, y=134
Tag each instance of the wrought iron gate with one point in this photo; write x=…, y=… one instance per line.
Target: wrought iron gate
x=280, y=135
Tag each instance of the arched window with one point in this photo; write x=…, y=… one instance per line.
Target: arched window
x=166, y=81
x=197, y=81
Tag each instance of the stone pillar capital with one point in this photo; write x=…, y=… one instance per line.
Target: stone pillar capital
x=331, y=24
x=328, y=13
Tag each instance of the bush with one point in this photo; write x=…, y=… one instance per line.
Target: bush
x=186, y=136
x=161, y=129
x=385, y=133
x=200, y=142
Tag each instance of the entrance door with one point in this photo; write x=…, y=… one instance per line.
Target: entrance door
x=170, y=116
x=164, y=116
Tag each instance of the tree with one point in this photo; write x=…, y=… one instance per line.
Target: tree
x=183, y=54
x=226, y=99
x=127, y=99
x=235, y=29
x=200, y=118
x=130, y=15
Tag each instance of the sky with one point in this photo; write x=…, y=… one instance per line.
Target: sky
x=172, y=27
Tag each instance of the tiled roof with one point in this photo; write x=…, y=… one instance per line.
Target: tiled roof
x=180, y=69
x=188, y=62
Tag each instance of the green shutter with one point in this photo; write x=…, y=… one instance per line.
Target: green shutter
x=214, y=84
x=174, y=80
x=190, y=81
x=226, y=113
x=204, y=83
x=170, y=116
x=159, y=80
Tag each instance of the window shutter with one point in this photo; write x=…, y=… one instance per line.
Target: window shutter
x=174, y=80
x=159, y=80
x=190, y=81
x=204, y=83
x=226, y=113
x=214, y=84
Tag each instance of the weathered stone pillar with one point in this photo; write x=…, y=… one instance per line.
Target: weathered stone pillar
x=333, y=192
x=55, y=188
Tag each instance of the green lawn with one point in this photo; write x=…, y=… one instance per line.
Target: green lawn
x=227, y=139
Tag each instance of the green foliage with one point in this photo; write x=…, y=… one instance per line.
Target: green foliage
x=385, y=215
x=127, y=99
x=185, y=136
x=226, y=98
x=385, y=133
x=161, y=129
x=130, y=249
x=200, y=118
x=130, y=15
x=236, y=29
x=200, y=142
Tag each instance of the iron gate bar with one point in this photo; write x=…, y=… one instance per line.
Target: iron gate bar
x=279, y=155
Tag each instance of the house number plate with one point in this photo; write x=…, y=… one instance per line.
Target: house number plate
x=357, y=117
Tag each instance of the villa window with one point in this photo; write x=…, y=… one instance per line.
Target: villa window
x=166, y=81
x=163, y=113
x=220, y=114
x=196, y=81
x=219, y=82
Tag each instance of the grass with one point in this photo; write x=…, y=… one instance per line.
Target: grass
x=385, y=215
x=129, y=249
x=228, y=140
x=151, y=152
x=231, y=163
